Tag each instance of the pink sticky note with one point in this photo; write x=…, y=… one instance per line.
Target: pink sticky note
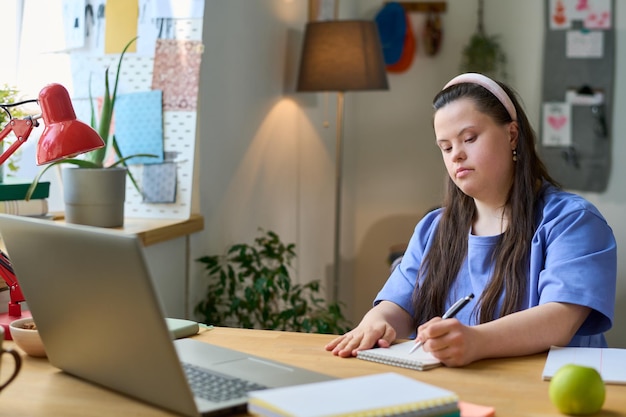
x=475, y=410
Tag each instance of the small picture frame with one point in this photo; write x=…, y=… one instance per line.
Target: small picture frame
x=320, y=10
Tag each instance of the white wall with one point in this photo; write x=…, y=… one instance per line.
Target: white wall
x=397, y=173
x=612, y=203
x=267, y=161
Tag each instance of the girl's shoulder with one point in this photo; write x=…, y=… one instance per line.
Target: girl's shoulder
x=431, y=218
x=557, y=203
x=428, y=223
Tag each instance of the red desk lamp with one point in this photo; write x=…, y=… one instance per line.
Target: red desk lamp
x=63, y=136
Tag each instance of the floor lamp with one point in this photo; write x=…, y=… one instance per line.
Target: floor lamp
x=341, y=55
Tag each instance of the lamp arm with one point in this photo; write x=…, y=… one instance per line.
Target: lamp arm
x=22, y=129
x=16, y=295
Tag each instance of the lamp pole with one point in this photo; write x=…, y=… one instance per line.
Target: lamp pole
x=341, y=56
x=338, y=180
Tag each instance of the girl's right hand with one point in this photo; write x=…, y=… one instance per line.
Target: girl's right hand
x=379, y=327
x=363, y=337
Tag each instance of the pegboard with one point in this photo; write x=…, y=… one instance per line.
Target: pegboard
x=179, y=127
x=577, y=92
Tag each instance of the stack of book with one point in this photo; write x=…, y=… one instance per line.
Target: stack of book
x=379, y=395
x=13, y=198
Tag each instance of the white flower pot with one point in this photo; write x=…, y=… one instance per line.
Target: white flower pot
x=95, y=196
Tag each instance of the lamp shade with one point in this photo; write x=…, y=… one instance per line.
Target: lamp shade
x=342, y=55
x=63, y=136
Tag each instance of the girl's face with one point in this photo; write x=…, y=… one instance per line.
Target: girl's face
x=477, y=152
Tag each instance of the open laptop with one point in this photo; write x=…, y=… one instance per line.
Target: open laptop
x=92, y=297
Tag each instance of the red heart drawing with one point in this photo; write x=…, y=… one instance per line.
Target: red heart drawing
x=557, y=122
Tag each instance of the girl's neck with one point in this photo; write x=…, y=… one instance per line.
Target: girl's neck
x=489, y=220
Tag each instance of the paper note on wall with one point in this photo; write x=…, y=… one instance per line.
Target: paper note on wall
x=179, y=9
x=557, y=124
x=147, y=28
x=177, y=73
x=94, y=27
x=120, y=25
x=584, y=44
x=159, y=183
x=74, y=23
x=139, y=125
x=592, y=14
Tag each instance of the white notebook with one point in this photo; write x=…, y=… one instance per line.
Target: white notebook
x=398, y=355
x=386, y=394
x=609, y=362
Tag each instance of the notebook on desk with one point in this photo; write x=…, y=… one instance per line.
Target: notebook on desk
x=609, y=362
x=398, y=355
x=92, y=298
x=378, y=395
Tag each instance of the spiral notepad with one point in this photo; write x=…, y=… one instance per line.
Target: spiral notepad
x=398, y=355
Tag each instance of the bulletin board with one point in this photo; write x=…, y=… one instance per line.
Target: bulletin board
x=157, y=96
x=577, y=92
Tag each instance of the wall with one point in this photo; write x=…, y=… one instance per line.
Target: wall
x=612, y=203
x=397, y=173
x=266, y=159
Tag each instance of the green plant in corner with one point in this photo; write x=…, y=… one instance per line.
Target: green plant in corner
x=96, y=158
x=251, y=287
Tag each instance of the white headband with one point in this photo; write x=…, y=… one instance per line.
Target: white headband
x=486, y=82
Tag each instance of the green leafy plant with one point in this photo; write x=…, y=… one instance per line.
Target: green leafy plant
x=9, y=95
x=483, y=53
x=96, y=158
x=251, y=287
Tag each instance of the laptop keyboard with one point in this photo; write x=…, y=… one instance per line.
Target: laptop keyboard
x=216, y=387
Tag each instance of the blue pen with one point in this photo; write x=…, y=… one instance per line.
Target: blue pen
x=452, y=311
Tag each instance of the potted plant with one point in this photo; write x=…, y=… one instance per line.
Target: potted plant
x=94, y=192
x=483, y=53
x=251, y=287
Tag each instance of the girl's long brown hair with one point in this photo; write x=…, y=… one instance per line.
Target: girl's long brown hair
x=443, y=261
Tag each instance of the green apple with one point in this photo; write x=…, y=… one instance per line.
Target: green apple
x=577, y=390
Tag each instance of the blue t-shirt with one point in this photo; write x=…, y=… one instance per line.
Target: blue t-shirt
x=573, y=260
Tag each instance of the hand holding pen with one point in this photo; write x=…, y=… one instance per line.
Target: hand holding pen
x=452, y=311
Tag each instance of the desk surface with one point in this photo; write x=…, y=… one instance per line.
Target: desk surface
x=513, y=386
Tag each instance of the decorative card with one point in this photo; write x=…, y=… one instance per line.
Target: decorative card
x=120, y=25
x=593, y=14
x=177, y=73
x=557, y=124
x=159, y=183
x=139, y=125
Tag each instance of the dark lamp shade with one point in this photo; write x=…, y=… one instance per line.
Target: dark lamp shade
x=342, y=55
x=63, y=136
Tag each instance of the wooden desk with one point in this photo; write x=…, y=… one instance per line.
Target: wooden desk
x=513, y=386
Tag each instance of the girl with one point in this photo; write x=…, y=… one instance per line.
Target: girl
x=541, y=261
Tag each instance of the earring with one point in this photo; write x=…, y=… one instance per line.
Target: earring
x=514, y=155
